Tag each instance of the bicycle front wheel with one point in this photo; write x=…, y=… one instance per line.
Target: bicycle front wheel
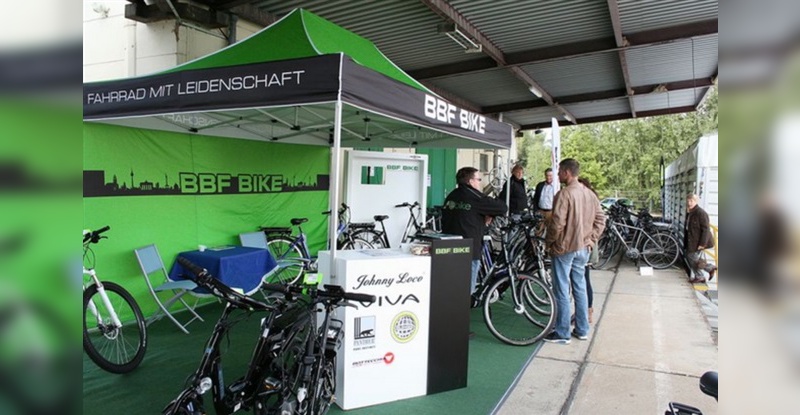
x=607, y=247
x=284, y=249
x=660, y=251
x=514, y=323
x=114, y=349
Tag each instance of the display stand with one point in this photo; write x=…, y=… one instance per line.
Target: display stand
x=384, y=352
x=448, y=347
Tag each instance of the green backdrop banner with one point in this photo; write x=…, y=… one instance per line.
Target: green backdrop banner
x=182, y=190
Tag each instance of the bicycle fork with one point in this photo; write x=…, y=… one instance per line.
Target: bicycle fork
x=106, y=302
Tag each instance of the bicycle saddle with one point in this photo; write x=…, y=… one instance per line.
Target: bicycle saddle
x=297, y=221
x=380, y=218
x=708, y=383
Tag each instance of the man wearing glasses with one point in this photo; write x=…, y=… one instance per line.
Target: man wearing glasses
x=466, y=211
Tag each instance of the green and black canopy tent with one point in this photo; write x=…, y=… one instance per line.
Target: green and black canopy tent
x=302, y=80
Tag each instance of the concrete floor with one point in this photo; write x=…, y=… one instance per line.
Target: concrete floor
x=649, y=345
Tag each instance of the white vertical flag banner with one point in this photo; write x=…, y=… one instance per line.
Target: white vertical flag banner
x=555, y=151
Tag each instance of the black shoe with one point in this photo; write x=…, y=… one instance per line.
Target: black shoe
x=711, y=273
x=553, y=338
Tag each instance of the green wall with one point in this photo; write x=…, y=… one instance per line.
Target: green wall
x=442, y=168
x=195, y=214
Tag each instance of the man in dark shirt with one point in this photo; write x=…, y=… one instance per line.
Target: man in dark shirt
x=465, y=213
x=518, y=201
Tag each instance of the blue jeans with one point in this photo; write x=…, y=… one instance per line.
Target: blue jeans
x=570, y=268
x=476, y=265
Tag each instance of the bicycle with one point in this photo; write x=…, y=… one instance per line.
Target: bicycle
x=112, y=345
x=281, y=352
x=293, y=251
x=659, y=250
x=514, y=303
x=708, y=385
x=309, y=386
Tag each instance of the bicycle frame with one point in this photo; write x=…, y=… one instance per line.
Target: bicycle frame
x=209, y=375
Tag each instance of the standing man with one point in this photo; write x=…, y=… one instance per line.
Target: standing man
x=575, y=227
x=465, y=213
x=696, y=238
x=544, y=194
x=518, y=201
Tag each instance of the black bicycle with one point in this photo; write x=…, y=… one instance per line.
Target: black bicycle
x=291, y=370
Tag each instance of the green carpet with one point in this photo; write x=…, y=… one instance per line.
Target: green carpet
x=172, y=356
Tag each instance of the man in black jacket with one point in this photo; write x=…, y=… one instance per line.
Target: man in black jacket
x=466, y=211
x=518, y=201
x=696, y=238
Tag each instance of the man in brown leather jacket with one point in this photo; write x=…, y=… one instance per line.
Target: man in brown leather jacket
x=576, y=225
x=696, y=238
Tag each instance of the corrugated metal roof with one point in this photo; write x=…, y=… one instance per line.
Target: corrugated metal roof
x=400, y=29
x=565, y=46
x=675, y=61
x=590, y=73
x=671, y=99
x=533, y=116
x=523, y=25
x=599, y=108
x=637, y=15
x=487, y=88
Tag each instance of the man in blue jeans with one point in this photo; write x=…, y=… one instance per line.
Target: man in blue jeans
x=576, y=225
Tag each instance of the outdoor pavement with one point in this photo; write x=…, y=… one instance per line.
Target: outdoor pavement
x=651, y=340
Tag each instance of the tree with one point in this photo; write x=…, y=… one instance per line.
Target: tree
x=623, y=158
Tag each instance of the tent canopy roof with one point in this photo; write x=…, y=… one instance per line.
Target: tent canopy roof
x=301, y=34
x=279, y=85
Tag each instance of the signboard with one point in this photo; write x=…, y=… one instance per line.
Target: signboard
x=386, y=340
x=377, y=182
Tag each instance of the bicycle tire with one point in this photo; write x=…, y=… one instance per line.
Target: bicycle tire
x=607, y=247
x=660, y=251
x=508, y=323
x=284, y=248
x=357, y=243
x=540, y=298
x=374, y=238
x=116, y=350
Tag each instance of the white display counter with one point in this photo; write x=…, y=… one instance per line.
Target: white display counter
x=384, y=353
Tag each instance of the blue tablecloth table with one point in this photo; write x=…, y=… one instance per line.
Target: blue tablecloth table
x=237, y=267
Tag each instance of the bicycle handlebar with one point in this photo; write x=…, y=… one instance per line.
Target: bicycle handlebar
x=334, y=292
x=203, y=278
x=406, y=204
x=94, y=236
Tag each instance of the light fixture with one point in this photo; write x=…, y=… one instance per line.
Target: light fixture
x=569, y=118
x=535, y=91
x=451, y=31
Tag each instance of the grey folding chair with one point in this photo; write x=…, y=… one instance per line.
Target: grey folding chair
x=253, y=239
x=153, y=269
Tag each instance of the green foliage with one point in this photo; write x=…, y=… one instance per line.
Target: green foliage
x=623, y=158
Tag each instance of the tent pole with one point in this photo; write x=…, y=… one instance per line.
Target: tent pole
x=334, y=184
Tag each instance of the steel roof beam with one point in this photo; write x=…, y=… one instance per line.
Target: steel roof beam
x=447, y=11
x=572, y=50
x=600, y=95
x=616, y=23
x=615, y=117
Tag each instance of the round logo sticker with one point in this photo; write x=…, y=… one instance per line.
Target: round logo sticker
x=404, y=327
